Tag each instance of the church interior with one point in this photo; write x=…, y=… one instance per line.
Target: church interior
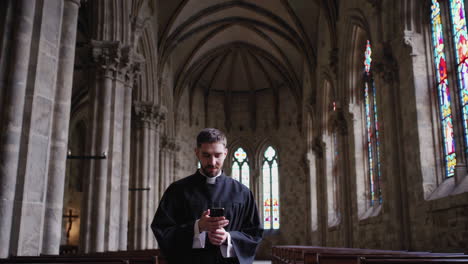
x=347, y=119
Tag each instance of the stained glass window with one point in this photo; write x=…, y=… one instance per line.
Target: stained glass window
x=271, y=217
x=240, y=167
x=443, y=88
x=372, y=129
x=457, y=12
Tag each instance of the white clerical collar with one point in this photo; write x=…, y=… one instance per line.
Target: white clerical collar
x=210, y=180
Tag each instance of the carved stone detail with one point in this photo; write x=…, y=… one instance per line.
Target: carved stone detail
x=149, y=114
x=113, y=60
x=410, y=39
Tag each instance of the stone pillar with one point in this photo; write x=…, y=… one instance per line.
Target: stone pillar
x=12, y=115
x=59, y=140
x=156, y=194
x=39, y=140
x=313, y=197
x=173, y=155
x=12, y=112
x=126, y=138
x=169, y=162
x=110, y=93
x=164, y=165
x=147, y=118
x=318, y=148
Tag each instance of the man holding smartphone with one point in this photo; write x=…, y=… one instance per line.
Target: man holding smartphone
x=208, y=217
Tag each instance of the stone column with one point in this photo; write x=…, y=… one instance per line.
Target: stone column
x=105, y=54
x=313, y=196
x=164, y=165
x=156, y=177
x=114, y=65
x=59, y=140
x=318, y=148
x=341, y=127
x=12, y=116
x=174, y=148
x=125, y=168
x=147, y=118
x=33, y=186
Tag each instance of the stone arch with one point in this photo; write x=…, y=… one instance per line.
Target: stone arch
x=248, y=148
x=77, y=176
x=358, y=32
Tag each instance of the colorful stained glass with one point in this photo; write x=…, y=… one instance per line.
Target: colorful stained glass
x=443, y=86
x=266, y=195
x=270, y=176
x=372, y=129
x=457, y=11
x=240, y=167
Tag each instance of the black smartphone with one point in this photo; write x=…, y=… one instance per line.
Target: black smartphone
x=216, y=212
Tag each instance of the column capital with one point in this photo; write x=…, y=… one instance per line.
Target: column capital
x=116, y=60
x=149, y=113
x=412, y=40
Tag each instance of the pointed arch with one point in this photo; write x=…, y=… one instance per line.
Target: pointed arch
x=361, y=97
x=270, y=182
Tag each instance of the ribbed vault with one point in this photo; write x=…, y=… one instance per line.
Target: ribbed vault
x=239, y=48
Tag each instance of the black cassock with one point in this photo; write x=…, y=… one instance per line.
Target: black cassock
x=184, y=202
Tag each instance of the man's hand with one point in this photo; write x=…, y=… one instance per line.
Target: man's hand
x=218, y=237
x=211, y=224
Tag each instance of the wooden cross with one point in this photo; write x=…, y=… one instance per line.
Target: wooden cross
x=70, y=217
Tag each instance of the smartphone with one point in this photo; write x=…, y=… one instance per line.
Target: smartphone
x=216, y=212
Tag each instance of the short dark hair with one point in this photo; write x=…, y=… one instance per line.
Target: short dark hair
x=211, y=135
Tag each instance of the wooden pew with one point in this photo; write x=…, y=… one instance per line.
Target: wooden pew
x=334, y=255
x=443, y=260
x=295, y=254
x=103, y=259
x=60, y=260
x=133, y=253
x=310, y=258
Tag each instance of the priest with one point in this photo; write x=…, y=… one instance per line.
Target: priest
x=185, y=225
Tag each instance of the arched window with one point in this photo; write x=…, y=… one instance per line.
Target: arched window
x=240, y=167
x=271, y=216
x=451, y=55
x=372, y=129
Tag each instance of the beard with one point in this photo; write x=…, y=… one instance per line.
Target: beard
x=210, y=171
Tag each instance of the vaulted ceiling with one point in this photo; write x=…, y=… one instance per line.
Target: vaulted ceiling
x=239, y=46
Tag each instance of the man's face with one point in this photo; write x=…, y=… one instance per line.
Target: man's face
x=211, y=157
